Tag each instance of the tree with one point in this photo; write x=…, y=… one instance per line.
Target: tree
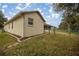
x=68, y=8
x=70, y=14
x=63, y=26
x=2, y=19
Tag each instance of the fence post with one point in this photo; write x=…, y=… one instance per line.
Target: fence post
x=54, y=31
x=69, y=30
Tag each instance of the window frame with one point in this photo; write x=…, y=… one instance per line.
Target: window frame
x=12, y=25
x=30, y=22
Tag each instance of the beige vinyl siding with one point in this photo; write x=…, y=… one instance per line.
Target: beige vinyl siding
x=17, y=27
x=22, y=28
x=38, y=25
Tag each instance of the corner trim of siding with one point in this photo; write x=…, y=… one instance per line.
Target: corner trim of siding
x=23, y=25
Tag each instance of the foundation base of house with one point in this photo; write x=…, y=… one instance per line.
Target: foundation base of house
x=20, y=38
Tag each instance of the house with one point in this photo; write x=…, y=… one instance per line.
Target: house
x=25, y=24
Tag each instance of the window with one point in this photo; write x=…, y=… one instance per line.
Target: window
x=12, y=25
x=30, y=22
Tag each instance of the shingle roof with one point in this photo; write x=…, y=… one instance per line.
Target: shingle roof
x=23, y=12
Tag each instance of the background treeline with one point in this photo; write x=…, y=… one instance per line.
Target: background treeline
x=70, y=15
x=2, y=20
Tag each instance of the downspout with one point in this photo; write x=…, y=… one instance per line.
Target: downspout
x=23, y=25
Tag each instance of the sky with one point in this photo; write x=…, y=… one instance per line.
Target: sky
x=46, y=9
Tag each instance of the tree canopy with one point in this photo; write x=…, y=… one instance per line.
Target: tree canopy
x=2, y=19
x=70, y=15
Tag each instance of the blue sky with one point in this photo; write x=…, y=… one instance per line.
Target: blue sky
x=46, y=9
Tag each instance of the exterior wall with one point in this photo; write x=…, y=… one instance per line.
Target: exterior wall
x=17, y=27
x=38, y=25
x=21, y=28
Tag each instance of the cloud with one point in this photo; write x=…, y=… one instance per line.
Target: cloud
x=26, y=5
x=4, y=6
x=44, y=8
x=22, y=8
x=3, y=10
x=48, y=4
x=10, y=13
x=39, y=9
x=7, y=17
x=0, y=4
x=48, y=16
x=51, y=9
x=42, y=13
x=55, y=15
x=53, y=19
x=20, y=4
x=18, y=7
x=52, y=16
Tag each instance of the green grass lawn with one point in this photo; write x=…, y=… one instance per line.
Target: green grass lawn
x=47, y=45
x=76, y=33
x=6, y=39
